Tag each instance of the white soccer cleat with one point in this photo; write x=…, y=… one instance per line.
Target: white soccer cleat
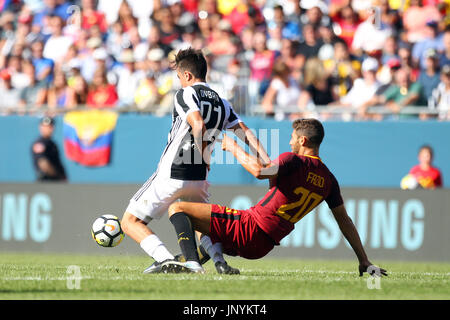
x=194, y=267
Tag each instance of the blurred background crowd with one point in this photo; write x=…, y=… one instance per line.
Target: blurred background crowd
x=337, y=59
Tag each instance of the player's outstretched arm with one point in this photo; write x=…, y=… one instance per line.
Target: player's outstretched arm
x=349, y=231
x=246, y=135
x=249, y=162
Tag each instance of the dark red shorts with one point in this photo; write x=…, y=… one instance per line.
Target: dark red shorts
x=238, y=233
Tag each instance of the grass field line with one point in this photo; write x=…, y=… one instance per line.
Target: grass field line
x=432, y=274
x=209, y=277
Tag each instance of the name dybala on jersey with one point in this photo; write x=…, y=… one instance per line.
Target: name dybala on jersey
x=302, y=183
x=181, y=159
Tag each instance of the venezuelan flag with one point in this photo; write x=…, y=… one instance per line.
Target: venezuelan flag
x=88, y=136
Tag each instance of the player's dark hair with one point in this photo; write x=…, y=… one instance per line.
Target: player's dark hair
x=426, y=147
x=310, y=128
x=193, y=61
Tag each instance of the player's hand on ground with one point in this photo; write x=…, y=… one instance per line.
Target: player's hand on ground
x=371, y=269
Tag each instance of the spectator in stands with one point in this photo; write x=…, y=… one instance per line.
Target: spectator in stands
x=205, y=24
x=316, y=13
x=46, y=160
x=292, y=10
x=181, y=17
x=282, y=95
x=429, y=78
x=288, y=54
x=401, y=94
x=370, y=37
x=23, y=33
x=70, y=60
x=221, y=43
x=101, y=94
x=96, y=57
x=33, y=96
x=290, y=28
x=318, y=87
x=440, y=98
x=126, y=17
x=275, y=34
x=389, y=16
x=8, y=35
x=427, y=176
x=91, y=17
x=328, y=36
x=347, y=20
x=169, y=31
x=44, y=66
x=19, y=79
x=128, y=78
x=432, y=40
x=154, y=41
x=9, y=95
x=51, y=8
x=311, y=45
x=406, y=60
x=78, y=89
x=444, y=57
x=261, y=65
x=147, y=96
x=116, y=39
x=343, y=70
x=415, y=19
x=59, y=94
x=190, y=38
x=363, y=88
x=245, y=14
x=390, y=49
x=57, y=45
x=166, y=80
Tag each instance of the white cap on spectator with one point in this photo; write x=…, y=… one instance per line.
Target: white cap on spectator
x=155, y=54
x=369, y=64
x=126, y=56
x=75, y=64
x=94, y=42
x=100, y=54
x=326, y=52
x=309, y=4
x=224, y=25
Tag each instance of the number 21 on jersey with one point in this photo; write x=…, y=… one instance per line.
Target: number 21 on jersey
x=308, y=201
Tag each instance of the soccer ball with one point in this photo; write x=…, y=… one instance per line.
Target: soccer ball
x=106, y=231
x=409, y=182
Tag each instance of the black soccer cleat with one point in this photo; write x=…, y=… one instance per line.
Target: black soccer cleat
x=202, y=254
x=224, y=268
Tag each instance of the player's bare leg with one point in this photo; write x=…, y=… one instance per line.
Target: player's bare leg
x=187, y=217
x=138, y=230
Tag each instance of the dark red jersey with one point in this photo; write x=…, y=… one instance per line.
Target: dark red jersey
x=301, y=184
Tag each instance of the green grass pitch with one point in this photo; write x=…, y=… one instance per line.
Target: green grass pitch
x=46, y=276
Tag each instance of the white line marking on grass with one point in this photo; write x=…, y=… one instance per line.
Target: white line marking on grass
x=211, y=277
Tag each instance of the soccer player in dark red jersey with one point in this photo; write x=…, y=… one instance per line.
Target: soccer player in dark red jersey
x=299, y=181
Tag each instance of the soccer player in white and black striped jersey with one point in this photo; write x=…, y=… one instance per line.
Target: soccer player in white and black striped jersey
x=199, y=115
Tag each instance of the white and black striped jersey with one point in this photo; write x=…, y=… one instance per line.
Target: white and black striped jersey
x=181, y=160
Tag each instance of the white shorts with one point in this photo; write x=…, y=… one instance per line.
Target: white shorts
x=157, y=194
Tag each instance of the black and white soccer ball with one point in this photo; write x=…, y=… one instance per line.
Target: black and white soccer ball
x=106, y=231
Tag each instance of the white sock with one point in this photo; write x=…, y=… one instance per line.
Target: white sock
x=214, y=250
x=155, y=248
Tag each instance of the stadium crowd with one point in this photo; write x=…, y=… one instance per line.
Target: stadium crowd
x=276, y=58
